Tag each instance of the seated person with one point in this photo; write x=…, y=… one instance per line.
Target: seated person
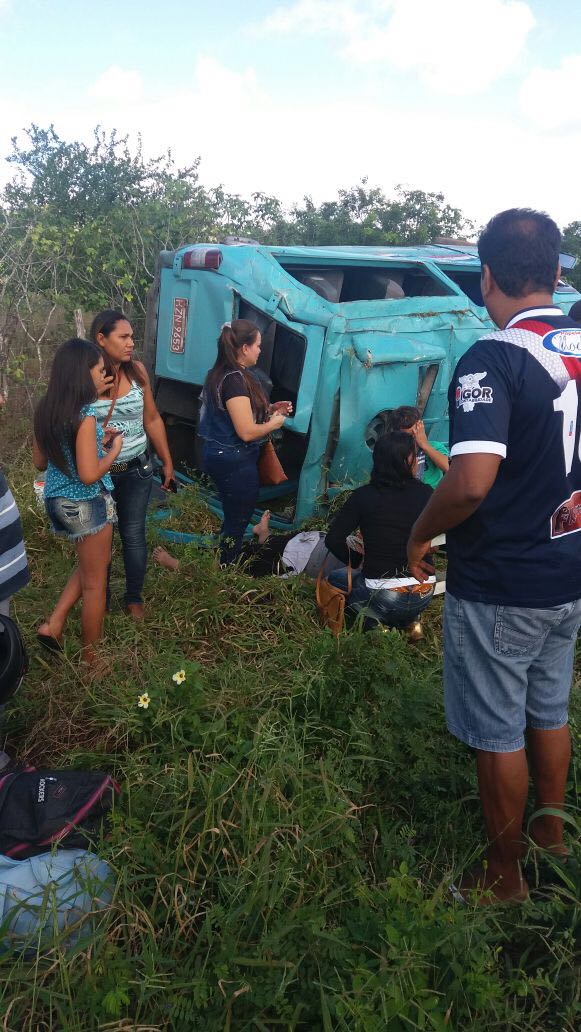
x=432, y=455
x=385, y=511
x=284, y=555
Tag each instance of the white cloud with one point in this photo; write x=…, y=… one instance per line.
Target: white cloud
x=314, y=17
x=120, y=85
x=456, y=47
x=548, y=96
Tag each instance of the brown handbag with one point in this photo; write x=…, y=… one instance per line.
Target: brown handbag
x=331, y=601
x=270, y=471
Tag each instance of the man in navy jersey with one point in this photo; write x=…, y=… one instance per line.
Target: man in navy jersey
x=511, y=509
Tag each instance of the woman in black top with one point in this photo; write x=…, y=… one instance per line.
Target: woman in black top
x=235, y=419
x=385, y=511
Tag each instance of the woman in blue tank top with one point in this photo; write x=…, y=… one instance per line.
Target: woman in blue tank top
x=77, y=457
x=235, y=419
x=129, y=407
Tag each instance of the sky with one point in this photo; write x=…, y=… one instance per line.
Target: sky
x=478, y=99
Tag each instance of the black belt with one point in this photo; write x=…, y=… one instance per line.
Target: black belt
x=122, y=467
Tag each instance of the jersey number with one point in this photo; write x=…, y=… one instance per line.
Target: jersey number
x=568, y=403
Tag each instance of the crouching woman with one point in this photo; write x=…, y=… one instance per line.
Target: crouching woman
x=385, y=511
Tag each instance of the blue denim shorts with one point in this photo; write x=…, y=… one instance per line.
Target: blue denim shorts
x=507, y=668
x=78, y=519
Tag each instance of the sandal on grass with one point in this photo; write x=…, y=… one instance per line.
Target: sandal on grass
x=48, y=641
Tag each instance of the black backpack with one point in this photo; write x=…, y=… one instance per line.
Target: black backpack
x=42, y=808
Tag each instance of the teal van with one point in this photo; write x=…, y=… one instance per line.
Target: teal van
x=348, y=333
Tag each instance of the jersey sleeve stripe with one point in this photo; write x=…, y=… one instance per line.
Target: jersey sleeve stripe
x=479, y=448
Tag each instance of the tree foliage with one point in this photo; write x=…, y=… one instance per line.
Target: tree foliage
x=95, y=216
x=82, y=224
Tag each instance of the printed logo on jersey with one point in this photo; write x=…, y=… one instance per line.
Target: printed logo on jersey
x=567, y=518
x=470, y=392
x=564, y=342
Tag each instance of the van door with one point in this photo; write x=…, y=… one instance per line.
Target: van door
x=290, y=356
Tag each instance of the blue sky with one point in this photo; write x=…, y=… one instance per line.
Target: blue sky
x=477, y=98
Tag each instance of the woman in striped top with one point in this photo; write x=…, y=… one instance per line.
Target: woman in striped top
x=130, y=408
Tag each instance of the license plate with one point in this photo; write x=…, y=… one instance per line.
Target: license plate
x=178, y=329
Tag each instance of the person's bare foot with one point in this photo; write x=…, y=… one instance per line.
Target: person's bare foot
x=485, y=886
x=50, y=636
x=162, y=557
x=94, y=666
x=547, y=839
x=135, y=610
x=262, y=528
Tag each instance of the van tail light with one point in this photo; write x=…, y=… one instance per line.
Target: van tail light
x=202, y=258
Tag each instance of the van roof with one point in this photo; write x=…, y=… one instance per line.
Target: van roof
x=441, y=254
x=467, y=254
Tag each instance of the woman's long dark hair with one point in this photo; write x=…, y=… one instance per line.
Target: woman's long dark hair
x=105, y=322
x=58, y=414
x=233, y=337
x=393, y=460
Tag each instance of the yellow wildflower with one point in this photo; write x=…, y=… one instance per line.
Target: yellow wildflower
x=143, y=701
x=179, y=676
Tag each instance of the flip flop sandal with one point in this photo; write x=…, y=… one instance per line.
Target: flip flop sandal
x=50, y=643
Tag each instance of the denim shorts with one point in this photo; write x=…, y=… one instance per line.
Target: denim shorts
x=506, y=668
x=75, y=520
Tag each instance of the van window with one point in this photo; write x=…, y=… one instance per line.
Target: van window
x=469, y=283
x=340, y=284
x=282, y=354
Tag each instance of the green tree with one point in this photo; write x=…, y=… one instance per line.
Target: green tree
x=84, y=223
x=363, y=215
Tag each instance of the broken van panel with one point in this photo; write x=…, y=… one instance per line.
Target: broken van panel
x=348, y=333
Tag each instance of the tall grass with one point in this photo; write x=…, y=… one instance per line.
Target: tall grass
x=290, y=818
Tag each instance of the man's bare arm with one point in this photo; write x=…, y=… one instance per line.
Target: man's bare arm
x=457, y=496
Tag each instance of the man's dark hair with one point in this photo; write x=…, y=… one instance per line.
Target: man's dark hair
x=575, y=312
x=521, y=248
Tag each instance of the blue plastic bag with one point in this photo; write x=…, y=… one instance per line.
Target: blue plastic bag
x=45, y=900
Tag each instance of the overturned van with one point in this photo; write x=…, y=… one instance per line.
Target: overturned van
x=348, y=333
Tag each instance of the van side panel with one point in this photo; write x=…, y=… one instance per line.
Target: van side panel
x=207, y=299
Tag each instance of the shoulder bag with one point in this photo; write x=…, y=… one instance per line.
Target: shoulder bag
x=331, y=601
x=270, y=471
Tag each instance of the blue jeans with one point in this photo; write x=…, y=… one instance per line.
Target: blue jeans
x=392, y=608
x=132, y=491
x=235, y=474
x=506, y=668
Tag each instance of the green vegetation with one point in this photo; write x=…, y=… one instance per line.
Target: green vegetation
x=292, y=813
x=290, y=818
x=81, y=226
